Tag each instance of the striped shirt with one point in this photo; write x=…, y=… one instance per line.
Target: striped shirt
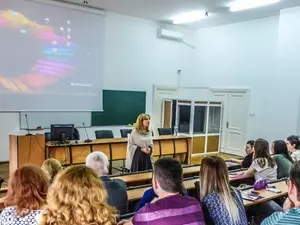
x=291, y=217
x=172, y=210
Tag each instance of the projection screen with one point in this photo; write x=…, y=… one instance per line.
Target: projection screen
x=51, y=57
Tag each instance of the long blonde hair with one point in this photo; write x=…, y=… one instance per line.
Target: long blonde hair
x=214, y=178
x=51, y=168
x=139, y=126
x=78, y=197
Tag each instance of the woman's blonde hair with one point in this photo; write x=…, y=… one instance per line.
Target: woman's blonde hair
x=51, y=168
x=214, y=178
x=139, y=123
x=78, y=197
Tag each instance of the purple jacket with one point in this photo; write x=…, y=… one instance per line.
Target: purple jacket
x=175, y=210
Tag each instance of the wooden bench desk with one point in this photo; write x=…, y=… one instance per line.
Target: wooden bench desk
x=267, y=195
x=115, y=149
x=143, y=178
x=147, y=177
x=136, y=194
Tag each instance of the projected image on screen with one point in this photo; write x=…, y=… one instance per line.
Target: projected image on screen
x=50, y=53
x=56, y=53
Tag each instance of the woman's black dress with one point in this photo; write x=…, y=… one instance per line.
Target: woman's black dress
x=141, y=161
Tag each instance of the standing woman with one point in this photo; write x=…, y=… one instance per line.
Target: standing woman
x=140, y=145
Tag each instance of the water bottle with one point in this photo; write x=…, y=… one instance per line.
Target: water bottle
x=175, y=131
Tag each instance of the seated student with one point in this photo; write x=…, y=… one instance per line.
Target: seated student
x=117, y=191
x=223, y=203
x=291, y=216
x=150, y=196
x=247, y=161
x=76, y=197
x=263, y=166
x=283, y=159
x=293, y=144
x=51, y=168
x=26, y=196
x=170, y=207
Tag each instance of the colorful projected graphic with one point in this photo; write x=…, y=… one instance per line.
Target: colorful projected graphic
x=57, y=52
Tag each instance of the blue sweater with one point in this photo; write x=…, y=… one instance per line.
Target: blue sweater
x=148, y=196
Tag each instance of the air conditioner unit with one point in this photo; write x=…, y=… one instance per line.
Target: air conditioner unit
x=169, y=34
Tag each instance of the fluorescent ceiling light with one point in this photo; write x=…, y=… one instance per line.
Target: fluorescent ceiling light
x=249, y=4
x=189, y=17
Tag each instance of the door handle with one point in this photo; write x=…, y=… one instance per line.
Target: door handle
x=227, y=125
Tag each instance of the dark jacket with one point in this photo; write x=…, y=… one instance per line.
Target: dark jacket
x=117, y=194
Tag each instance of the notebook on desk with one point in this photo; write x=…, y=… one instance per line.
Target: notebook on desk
x=251, y=195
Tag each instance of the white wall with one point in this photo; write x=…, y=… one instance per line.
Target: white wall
x=246, y=55
x=134, y=59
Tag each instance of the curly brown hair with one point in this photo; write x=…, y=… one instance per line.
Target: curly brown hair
x=27, y=189
x=78, y=197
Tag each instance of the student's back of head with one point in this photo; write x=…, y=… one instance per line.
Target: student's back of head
x=26, y=196
x=217, y=195
x=77, y=196
x=27, y=189
x=262, y=153
x=51, y=168
x=280, y=148
x=98, y=161
x=170, y=207
x=167, y=176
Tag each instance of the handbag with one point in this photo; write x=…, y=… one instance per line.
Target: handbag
x=260, y=184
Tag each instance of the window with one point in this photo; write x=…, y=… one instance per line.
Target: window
x=199, y=119
x=214, y=120
x=184, y=119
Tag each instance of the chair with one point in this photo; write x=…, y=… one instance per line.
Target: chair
x=48, y=136
x=1, y=181
x=197, y=190
x=117, y=195
x=76, y=135
x=125, y=132
x=165, y=131
x=100, y=134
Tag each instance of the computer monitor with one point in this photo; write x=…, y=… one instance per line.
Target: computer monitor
x=62, y=132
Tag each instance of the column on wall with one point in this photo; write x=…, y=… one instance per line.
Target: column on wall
x=288, y=66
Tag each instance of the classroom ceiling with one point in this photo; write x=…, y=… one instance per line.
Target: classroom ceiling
x=163, y=10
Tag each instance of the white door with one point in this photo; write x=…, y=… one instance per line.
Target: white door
x=235, y=117
x=236, y=124
x=159, y=94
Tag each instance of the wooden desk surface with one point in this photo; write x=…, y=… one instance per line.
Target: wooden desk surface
x=115, y=140
x=136, y=194
x=269, y=195
x=130, y=178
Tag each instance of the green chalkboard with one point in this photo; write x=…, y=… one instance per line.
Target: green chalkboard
x=120, y=108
